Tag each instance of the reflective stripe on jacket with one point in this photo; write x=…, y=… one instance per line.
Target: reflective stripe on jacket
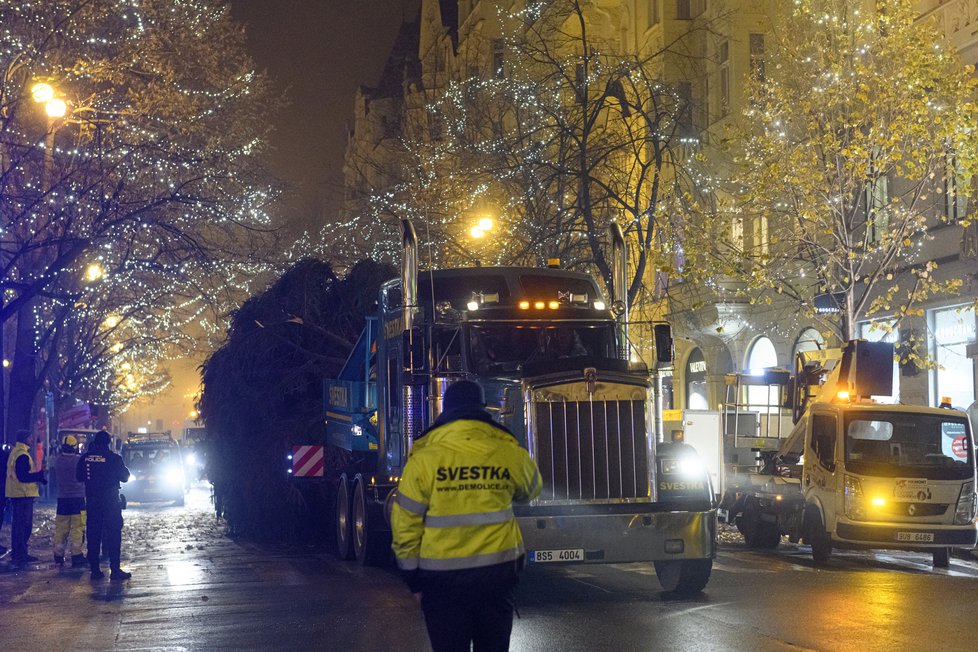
x=454, y=504
x=16, y=488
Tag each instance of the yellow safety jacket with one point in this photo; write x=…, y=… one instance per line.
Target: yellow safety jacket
x=16, y=488
x=454, y=505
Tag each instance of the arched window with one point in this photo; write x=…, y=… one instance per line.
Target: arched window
x=696, y=381
x=809, y=340
x=761, y=356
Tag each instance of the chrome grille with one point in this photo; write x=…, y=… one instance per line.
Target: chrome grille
x=592, y=450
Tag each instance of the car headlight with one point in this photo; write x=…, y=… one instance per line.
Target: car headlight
x=190, y=459
x=965, y=511
x=855, y=500
x=174, y=475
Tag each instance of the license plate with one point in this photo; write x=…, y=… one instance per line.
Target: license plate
x=551, y=556
x=916, y=537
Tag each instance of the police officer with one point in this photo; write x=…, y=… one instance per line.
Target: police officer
x=102, y=470
x=21, y=489
x=69, y=523
x=455, y=535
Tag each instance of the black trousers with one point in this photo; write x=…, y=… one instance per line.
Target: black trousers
x=104, y=531
x=20, y=529
x=462, y=618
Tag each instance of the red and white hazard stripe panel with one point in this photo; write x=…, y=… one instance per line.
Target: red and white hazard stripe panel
x=307, y=461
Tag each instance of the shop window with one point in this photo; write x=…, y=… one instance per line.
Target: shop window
x=952, y=330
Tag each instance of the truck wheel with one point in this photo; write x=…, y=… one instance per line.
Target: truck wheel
x=344, y=548
x=817, y=537
x=684, y=577
x=369, y=545
x=942, y=557
x=757, y=533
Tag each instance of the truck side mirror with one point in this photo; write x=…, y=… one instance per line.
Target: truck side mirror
x=664, y=352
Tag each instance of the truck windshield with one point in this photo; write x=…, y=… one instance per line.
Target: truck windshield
x=508, y=347
x=896, y=444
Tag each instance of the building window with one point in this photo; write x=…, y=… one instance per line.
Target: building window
x=762, y=239
x=883, y=330
x=696, y=381
x=689, y=9
x=653, y=12
x=809, y=340
x=761, y=398
x=757, y=56
x=724, y=74
x=684, y=110
x=952, y=330
x=498, y=58
x=955, y=190
x=737, y=233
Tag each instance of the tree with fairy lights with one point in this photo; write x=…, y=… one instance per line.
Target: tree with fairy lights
x=566, y=132
x=131, y=192
x=856, y=141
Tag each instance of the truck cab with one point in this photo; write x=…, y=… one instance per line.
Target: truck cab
x=888, y=476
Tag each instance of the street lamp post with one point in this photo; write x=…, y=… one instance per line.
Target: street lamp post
x=55, y=108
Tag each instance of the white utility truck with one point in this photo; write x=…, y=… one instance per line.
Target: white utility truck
x=852, y=472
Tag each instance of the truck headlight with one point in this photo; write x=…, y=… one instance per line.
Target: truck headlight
x=964, y=514
x=855, y=499
x=688, y=466
x=174, y=475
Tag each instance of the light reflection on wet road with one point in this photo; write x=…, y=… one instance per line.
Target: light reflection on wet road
x=195, y=589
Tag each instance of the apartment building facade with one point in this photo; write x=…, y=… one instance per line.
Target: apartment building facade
x=709, y=48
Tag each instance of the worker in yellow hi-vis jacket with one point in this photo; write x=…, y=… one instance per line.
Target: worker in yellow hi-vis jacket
x=455, y=535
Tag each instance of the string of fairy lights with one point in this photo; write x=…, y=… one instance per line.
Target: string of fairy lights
x=127, y=222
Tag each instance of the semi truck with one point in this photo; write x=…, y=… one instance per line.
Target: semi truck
x=554, y=360
x=853, y=472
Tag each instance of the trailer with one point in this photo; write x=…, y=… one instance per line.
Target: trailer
x=852, y=472
x=554, y=360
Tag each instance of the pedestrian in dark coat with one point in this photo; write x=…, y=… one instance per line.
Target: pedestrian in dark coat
x=102, y=470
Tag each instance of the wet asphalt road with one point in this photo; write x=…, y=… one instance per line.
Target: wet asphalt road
x=194, y=589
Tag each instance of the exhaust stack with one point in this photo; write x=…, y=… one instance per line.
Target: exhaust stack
x=619, y=291
x=409, y=273
x=412, y=395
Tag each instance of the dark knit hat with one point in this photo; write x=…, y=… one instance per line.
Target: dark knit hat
x=464, y=394
x=102, y=439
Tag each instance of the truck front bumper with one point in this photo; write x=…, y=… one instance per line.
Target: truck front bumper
x=630, y=536
x=906, y=536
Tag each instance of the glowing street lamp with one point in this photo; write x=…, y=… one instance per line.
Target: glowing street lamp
x=56, y=107
x=42, y=92
x=94, y=272
x=482, y=226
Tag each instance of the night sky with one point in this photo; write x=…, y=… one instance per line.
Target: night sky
x=318, y=52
